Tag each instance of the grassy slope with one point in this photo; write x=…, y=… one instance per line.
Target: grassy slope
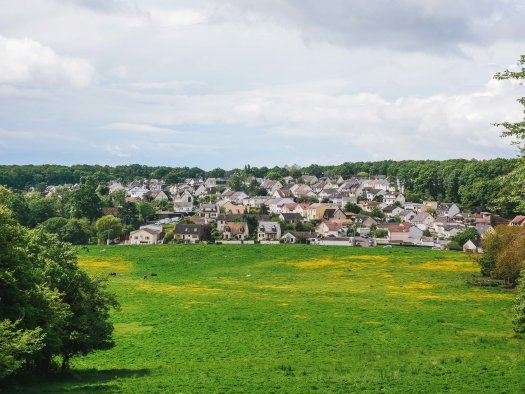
x=299, y=319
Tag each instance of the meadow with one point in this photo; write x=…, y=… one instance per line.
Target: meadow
x=298, y=319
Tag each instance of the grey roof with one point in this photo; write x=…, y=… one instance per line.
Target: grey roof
x=268, y=227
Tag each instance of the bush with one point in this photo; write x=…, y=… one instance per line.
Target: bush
x=518, y=324
x=453, y=245
x=504, y=252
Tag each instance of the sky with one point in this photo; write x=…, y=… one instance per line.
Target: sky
x=224, y=83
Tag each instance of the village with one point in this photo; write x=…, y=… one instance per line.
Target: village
x=309, y=210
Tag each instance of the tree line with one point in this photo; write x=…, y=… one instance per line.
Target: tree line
x=473, y=184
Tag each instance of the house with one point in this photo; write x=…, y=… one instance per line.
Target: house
x=484, y=230
x=392, y=211
x=297, y=237
x=185, y=197
x=183, y=207
x=518, y=221
x=364, y=221
x=209, y=211
x=414, y=206
x=202, y=190
x=222, y=219
x=137, y=192
x=431, y=206
x=268, y=231
x=403, y=233
x=235, y=230
x=236, y=209
x=146, y=235
x=448, y=230
x=371, y=193
x=333, y=214
x=213, y=182
x=470, y=247
x=255, y=202
x=288, y=208
x=447, y=209
x=301, y=209
x=309, y=179
x=423, y=218
x=329, y=229
x=156, y=195
x=191, y=233
x=114, y=186
x=271, y=185
x=283, y=193
x=377, y=183
x=275, y=204
x=336, y=241
x=393, y=197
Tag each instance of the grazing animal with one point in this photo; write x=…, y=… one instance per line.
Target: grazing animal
x=153, y=274
x=145, y=276
x=112, y=274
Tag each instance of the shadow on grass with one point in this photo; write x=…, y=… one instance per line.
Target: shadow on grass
x=82, y=381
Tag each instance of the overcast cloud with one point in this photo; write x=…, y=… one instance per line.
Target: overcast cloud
x=228, y=83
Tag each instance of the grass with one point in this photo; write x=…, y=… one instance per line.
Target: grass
x=297, y=319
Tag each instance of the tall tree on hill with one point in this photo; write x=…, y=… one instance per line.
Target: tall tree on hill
x=514, y=183
x=514, y=186
x=85, y=202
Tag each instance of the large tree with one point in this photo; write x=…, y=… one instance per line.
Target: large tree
x=513, y=184
x=49, y=307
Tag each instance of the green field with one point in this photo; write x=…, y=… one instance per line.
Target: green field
x=298, y=319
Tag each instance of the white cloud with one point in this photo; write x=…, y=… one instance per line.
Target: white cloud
x=25, y=61
x=138, y=128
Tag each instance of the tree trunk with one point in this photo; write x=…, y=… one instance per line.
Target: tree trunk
x=65, y=363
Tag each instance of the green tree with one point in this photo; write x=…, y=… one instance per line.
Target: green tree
x=108, y=227
x=40, y=209
x=380, y=233
x=469, y=234
x=77, y=231
x=146, y=211
x=518, y=323
x=85, y=202
x=129, y=213
x=86, y=326
x=513, y=184
x=17, y=347
x=351, y=207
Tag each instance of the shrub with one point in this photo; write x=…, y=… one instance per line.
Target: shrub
x=453, y=245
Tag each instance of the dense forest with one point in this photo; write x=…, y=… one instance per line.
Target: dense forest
x=474, y=184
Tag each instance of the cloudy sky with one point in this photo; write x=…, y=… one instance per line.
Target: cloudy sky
x=264, y=82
